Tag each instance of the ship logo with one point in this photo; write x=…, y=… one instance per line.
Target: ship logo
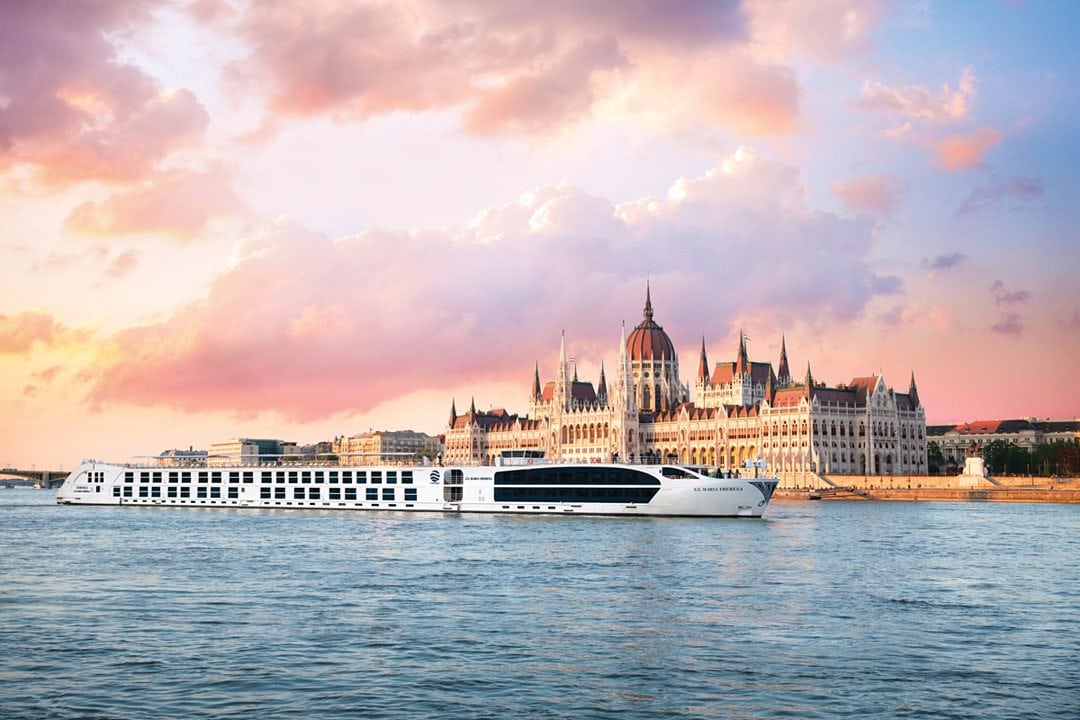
x=434, y=477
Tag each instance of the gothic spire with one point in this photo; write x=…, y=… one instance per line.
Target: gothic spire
x=783, y=374
x=536, y=381
x=648, y=303
x=703, y=363
x=742, y=365
x=809, y=377
x=601, y=391
x=472, y=406
x=453, y=412
x=913, y=392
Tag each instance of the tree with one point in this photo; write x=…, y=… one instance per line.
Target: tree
x=1005, y=458
x=935, y=459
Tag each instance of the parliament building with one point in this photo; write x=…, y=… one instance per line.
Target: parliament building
x=734, y=412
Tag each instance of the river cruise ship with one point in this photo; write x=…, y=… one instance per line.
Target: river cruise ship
x=519, y=484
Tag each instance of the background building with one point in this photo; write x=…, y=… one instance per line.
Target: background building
x=737, y=411
x=249, y=451
x=386, y=447
x=970, y=439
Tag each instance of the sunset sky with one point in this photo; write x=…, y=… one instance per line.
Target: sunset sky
x=302, y=220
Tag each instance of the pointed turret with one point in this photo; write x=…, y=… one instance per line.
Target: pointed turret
x=601, y=391
x=913, y=392
x=536, y=392
x=648, y=303
x=472, y=407
x=742, y=365
x=770, y=390
x=783, y=374
x=809, y=377
x=453, y=412
x=703, y=363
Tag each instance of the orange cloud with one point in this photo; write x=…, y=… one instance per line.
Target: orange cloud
x=960, y=152
x=20, y=333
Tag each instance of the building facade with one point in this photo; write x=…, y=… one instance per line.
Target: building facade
x=385, y=447
x=734, y=412
x=964, y=440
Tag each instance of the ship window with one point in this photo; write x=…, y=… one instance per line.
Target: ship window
x=410, y=494
x=157, y=477
x=129, y=477
x=215, y=492
x=376, y=477
x=361, y=477
x=144, y=491
x=333, y=477
x=172, y=491
x=673, y=472
x=319, y=476
x=155, y=491
x=346, y=476
x=298, y=493
x=203, y=476
x=249, y=476
x=185, y=477
x=406, y=477
x=391, y=477
x=172, y=477
x=185, y=491
x=279, y=493
x=373, y=493
x=313, y=494
x=201, y=491
x=215, y=477
x=388, y=494
x=293, y=477
x=350, y=493
x=279, y=477
x=143, y=477
x=234, y=493
x=127, y=491
x=305, y=477
x=267, y=476
x=264, y=493
x=234, y=476
x=334, y=494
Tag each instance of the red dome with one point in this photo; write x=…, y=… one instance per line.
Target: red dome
x=648, y=341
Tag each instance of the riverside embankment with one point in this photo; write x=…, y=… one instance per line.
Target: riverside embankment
x=933, y=488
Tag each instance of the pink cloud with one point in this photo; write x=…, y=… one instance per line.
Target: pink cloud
x=1009, y=324
x=874, y=194
x=827, y=30
x=511, y=67
x=71, y=109
x=177, y=203
x=309, y=326
x=960, y=152
x=944, y=104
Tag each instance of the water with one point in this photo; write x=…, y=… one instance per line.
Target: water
x=822, y=610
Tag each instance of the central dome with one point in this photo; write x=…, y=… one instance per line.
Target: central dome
x=648, y=341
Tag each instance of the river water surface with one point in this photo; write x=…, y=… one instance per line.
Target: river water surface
x=821, y=610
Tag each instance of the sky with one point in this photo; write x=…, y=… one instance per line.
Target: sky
x=300, y=220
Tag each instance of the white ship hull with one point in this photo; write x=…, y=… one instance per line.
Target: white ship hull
x=582, y=489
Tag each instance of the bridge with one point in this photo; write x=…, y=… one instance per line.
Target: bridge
x=48, y=478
